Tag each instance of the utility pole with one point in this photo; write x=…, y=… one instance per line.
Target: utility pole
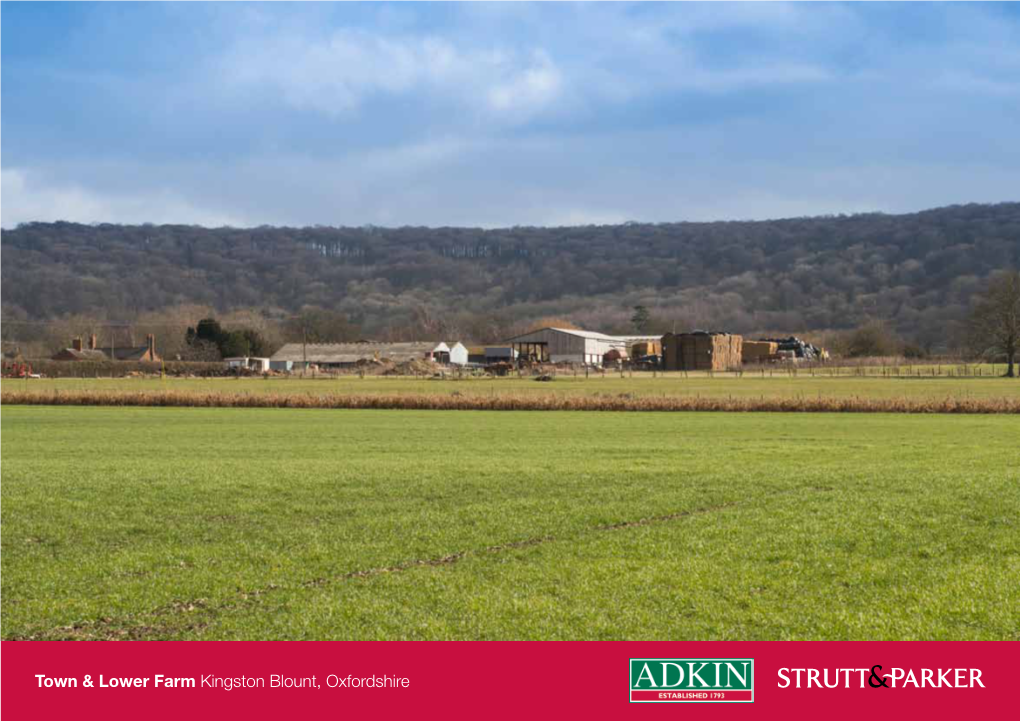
x=304, y=349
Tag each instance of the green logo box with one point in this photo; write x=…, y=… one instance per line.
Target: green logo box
x=692, y=680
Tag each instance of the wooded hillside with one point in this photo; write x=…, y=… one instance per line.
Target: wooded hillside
x=916, y=271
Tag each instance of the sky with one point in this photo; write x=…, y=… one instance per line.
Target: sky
x=494, y=114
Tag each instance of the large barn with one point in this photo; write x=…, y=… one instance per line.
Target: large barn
x=571, y=345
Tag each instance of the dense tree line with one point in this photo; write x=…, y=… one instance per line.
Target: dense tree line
x=915, y=273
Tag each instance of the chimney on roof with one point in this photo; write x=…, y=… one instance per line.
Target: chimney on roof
x=150, y=341
x=76, y=343
x=92, y=342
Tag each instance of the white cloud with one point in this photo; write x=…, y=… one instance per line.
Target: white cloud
x=907, y=105
x=597, y=179
x=25, y=198
x=338, y=74
x=528, y=89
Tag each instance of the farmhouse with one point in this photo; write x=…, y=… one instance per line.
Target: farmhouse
x=347, y=355
x=570, y=345
x=145, y=353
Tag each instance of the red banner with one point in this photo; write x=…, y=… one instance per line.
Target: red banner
x=502, y=679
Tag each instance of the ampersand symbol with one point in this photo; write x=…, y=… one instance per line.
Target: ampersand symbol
x=876, y=677
x=87, y=682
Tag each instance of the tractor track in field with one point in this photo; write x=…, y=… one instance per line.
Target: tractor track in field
x=156, y=624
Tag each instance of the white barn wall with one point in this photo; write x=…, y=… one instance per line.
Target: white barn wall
x=458, y=354
x=572, y=346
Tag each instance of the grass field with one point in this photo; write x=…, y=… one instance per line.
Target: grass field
x=306, y=524
x=640, y=385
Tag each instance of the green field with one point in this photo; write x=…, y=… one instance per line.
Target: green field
x=306, y=524
x=640, y=384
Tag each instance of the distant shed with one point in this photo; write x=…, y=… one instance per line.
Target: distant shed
x=458, y=353
x=451, y=353
x=347, y=355
x=251, y=363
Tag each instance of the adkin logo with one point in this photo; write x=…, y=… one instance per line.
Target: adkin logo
x=692, y=680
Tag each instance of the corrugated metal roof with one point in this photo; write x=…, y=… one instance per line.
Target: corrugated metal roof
x=591, y=334
x=568, y=331
x=639, y=338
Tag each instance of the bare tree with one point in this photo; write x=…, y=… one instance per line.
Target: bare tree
x=996, y=317
x=874, y=339
x=426, y=320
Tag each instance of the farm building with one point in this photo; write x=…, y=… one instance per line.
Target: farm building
x=347, y=355
x=452, y=353
x=476, y=354
x=569, y=345
x=79, y=352
x=487, y=354
x=563, y=345
x=458, y=353
x=252, y=363
x=498, y=354
x=701, y=350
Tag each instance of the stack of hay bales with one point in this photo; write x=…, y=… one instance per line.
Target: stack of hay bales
x=671, y=352
x=758, y=351
x=643, y=348
x=703, y=351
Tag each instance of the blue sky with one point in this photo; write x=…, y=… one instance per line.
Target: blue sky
x=502, y=114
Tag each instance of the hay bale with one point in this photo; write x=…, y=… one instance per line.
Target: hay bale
x=643, y=348
x=702, y=351
x=758, y=351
